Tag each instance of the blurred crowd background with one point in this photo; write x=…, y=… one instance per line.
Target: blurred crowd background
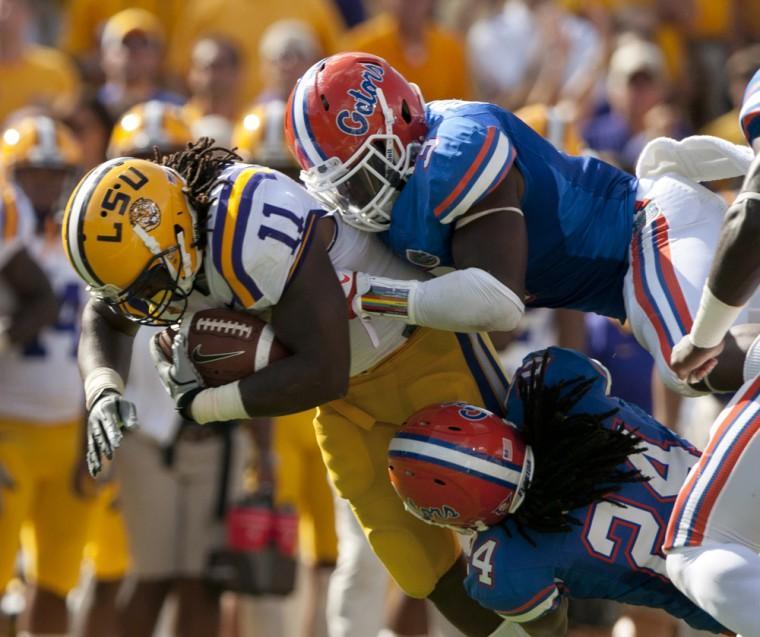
x=120, y=77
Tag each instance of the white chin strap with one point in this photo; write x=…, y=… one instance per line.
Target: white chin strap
x=390, y=119
x=525, y=479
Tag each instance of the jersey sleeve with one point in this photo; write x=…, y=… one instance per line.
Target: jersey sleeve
x=467, y=160
x=263, y=229
x=506, y=575
x=749, y=115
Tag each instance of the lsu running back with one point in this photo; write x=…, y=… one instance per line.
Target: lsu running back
x=264, y=245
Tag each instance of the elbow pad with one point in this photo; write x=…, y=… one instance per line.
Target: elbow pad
x=470, y=300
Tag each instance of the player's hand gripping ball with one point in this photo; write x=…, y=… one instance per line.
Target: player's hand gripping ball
x=225, y=345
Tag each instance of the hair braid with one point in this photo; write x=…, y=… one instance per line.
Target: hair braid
x=200, y=164
x=577, y=459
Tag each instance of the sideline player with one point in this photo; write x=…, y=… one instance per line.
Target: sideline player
x=588, y=483
x=467, y=185
x=203, y=230
x=41, y=401
x=713, y=538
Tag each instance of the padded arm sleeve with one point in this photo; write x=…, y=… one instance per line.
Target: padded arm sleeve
x=470, y=300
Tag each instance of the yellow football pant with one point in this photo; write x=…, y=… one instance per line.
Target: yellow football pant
x=301, y=481
x=41, y=461
x=354, y=434
x=107, y=548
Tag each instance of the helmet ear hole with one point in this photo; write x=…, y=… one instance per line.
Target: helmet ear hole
x=439, y=481
x=406, y=114
x=325, y=103
x=454, y=428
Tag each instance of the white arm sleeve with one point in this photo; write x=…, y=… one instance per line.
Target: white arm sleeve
x=470, y=300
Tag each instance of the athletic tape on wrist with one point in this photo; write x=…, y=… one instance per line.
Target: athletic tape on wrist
x=387, y=297
x=219, y=404
x=99, y=380
x=714, y=318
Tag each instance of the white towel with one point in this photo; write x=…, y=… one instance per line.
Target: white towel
x=700, y=158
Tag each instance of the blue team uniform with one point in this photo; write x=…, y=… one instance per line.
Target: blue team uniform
x=616, y=551
x=578, y=211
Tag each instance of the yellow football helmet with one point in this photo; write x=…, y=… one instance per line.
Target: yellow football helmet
x=39, y=142
x=42, y=156
x=130, y=233
x=260, y=137
x=147, y=125
x=552, y=124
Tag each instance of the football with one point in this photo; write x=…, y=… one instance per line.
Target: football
x=226, y=345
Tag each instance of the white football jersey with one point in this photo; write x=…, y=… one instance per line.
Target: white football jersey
x=40, y=382
x=259, y=228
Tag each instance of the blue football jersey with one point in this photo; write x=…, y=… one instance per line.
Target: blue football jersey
x=578, y=210
x=615, y=553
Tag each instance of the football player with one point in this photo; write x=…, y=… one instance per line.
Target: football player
x=570, y=494
x=27, y=301
x=203, y=230
x=713, y=537
x=41, y=400
x=467, y=185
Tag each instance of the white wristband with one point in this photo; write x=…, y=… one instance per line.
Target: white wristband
x=97, y=381
x=713, y=320
x=219, y=404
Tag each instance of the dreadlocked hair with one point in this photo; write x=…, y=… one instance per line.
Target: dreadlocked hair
x=577, y=459
x=200, y=164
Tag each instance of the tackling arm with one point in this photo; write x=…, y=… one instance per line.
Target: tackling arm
x=735, y=272
x=485, y=292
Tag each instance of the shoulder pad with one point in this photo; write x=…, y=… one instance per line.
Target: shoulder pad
x=463, y=162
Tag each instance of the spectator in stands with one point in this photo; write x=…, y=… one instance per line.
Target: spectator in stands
x=558, y=52
x=353, y=11
x=84, y=20
x=132, y=52
x=30, y=74
x=636, y=84
x=214, y=82
x=243, y=22
x=406, y=35
x=739, y=70
x=91, y=124
x=287, y=49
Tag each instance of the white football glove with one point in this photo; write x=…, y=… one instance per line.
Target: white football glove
x=178, y=375
x=108, y=416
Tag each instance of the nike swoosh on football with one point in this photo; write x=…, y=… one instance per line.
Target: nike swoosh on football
x=199, y=357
